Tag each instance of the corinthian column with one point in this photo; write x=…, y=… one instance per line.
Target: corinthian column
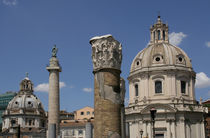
x=107, y=57
x=54, y=96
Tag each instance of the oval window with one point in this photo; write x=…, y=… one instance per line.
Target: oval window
x=180, y=59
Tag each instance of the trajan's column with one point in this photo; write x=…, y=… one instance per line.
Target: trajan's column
x=54, y=95
x=107, y=57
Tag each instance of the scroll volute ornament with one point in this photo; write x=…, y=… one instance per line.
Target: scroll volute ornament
x=106, y=52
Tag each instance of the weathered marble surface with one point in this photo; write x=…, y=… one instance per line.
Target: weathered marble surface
x=107, y=58
x=106, y=52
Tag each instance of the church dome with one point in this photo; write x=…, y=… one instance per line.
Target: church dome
x=160, y=53
x=162, y=90
x=24, y=101
x=25, y=98
x=25, y=109
x=161, y=72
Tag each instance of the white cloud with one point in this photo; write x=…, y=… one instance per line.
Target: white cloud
x=62, y=84
x=208, y=44
x=176, y=38
x=44, y=87
x=10, y=2
x=202, y=80
x=87, y=89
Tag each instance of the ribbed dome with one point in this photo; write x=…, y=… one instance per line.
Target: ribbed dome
x=25, y=110
x=25, y=101
x=161, y=54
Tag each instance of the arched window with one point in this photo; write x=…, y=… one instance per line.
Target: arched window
x=164, y=35
x=183, y=87
x=154, y=35
x=136, y=90
x=158, y=87
x=158, y=34
x=30, y=122
x=13, y=122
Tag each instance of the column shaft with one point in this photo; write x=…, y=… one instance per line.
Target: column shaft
x=107, y=117
x=54, y=99
x=168, y=129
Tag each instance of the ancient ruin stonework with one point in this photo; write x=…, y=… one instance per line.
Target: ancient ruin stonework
x=106, y=52
x=107, y=56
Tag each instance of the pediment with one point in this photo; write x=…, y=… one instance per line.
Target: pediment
x=161, y=108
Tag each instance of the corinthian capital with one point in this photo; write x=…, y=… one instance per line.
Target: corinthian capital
x=106, y=52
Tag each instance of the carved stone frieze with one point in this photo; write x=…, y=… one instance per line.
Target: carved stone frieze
x=106, y=52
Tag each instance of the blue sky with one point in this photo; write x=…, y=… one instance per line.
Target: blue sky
x=30, y=28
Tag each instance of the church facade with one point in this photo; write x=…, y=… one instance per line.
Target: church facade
x=161, y=82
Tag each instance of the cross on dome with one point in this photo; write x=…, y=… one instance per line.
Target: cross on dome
x=27, y=74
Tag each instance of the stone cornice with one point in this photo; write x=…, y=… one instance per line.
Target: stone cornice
x=164, y=69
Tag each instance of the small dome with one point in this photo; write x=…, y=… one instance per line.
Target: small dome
x=160, y=54
x=25, y=99
x=26, y=110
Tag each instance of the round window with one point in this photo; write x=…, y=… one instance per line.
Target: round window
x=157, y=59
x=180, y=59
x=137, y=63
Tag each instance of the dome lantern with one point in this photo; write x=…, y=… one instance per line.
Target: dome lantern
x=159, y=32
x=26, y=85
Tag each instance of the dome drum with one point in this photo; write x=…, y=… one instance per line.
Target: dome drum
x=173, y=83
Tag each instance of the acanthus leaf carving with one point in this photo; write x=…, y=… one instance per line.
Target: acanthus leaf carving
x=106, y=52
